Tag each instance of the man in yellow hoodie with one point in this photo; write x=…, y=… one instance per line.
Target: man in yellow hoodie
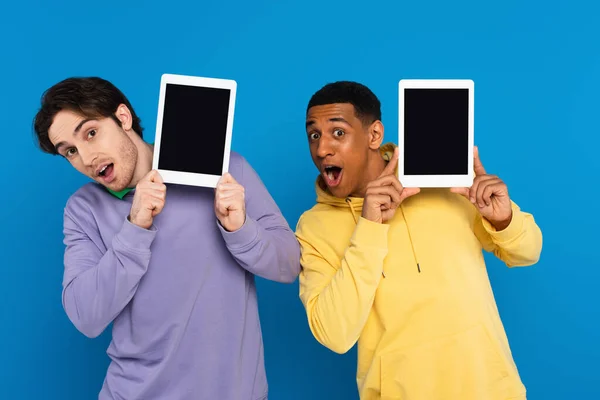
x=401, y=270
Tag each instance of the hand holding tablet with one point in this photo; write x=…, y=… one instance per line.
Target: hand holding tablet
x=385, y=194
x=230, y=203
x=148, y=200
x=489, y=194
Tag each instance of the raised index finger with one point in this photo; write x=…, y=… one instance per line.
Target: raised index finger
x=477, y=165
x=391, y=167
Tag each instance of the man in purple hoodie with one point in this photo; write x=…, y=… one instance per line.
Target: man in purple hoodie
x=171, y=266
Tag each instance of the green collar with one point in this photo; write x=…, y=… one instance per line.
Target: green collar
x=123, y=192
x=120, y=194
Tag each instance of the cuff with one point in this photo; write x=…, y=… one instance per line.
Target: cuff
x=241, y=238
x=513, y=229
x=135, y=237
x=370, y=234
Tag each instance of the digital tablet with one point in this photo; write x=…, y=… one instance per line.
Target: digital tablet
x=436, y=133
x=193, y=129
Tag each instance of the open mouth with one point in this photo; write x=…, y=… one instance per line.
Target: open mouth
x=332, y=175
x=106, y=172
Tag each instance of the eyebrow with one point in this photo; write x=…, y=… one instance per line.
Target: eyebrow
x=81, y=124
x=77, y=129
x=335, y=119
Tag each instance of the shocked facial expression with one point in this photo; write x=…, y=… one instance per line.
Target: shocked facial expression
x=97, y=147
x=340, y=144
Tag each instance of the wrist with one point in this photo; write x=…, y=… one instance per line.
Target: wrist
x=371, y=216
x=242, y=238
x=503, y=224
x=231, y=226
x=137, y=223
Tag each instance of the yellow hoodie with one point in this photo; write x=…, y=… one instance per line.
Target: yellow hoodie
x=415, y=294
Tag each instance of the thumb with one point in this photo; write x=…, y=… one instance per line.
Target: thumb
x=407, y=192
x=153, y=176
x=463, y=191
x=227, y=178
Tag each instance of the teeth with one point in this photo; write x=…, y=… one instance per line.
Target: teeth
x=103, y=169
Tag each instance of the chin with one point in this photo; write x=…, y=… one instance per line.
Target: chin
x=115, y=186
x=121, y=182
x=339, y=192
x=118, y=188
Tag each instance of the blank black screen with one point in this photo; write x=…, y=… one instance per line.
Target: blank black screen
x=194, y=129
x=436, y=131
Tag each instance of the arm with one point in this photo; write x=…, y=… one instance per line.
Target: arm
x=519, y=244
x=338, y=298
x=97, y=286
x=501, y=227
x=264, y=245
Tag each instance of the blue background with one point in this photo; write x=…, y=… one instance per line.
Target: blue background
x=536, y=68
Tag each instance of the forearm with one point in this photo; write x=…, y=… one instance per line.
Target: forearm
x=96, y=289
x=338, y=309
x=519, y=243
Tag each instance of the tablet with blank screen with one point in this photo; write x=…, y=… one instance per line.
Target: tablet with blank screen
x=193, y=129
x=436, y=133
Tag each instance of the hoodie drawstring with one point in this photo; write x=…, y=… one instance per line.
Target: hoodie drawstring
x=412, y=245
x=349, y=201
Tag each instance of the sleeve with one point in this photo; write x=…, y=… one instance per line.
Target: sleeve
x=338, y=298
x=265, y=245
x=518, y=245
x=96, y=285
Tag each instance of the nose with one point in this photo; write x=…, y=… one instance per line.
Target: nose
x=87, y=155
x=325, y=147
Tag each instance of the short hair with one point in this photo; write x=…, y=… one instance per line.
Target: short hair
x=367, y=106
x=91, y=97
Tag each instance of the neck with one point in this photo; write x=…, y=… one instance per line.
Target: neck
x=375, y=166
x=144, y=161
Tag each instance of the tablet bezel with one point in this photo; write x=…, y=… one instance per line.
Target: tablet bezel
x=435, y=181
x=192, y=178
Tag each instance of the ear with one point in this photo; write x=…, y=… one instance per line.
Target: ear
x=375, y=135
x=124, y=115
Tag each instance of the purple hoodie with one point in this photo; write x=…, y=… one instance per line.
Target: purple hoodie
x=181, y=295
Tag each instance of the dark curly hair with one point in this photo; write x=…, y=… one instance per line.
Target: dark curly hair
x=90, y=97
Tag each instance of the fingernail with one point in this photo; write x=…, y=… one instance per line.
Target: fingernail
x=472, y=200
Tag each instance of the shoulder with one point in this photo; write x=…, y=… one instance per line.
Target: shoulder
x=243, y=172
x=91, y=195
x=236, y=161
x=237, y=165
x=317, y=221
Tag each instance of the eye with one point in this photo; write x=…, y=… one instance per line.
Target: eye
x=91, y=133
x=70, y=152
x=314, y=136
x=338, y=133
